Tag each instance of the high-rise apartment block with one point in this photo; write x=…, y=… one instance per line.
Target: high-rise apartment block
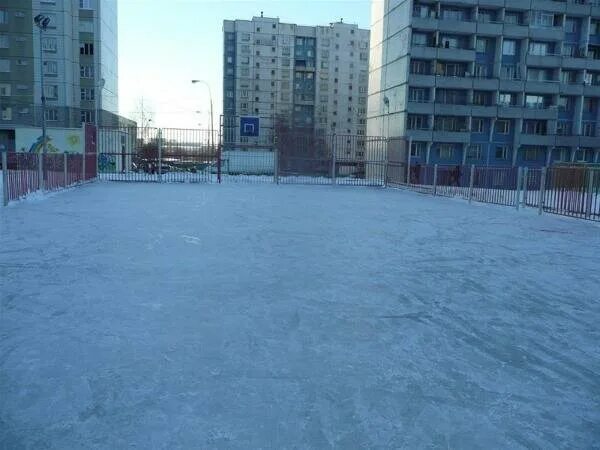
x=79, y=52
x=492, y=82
x=298, y=77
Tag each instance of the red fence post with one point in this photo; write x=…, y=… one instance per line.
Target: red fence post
x=5, y=178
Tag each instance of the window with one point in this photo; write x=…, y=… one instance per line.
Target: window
x=50, y=68
x=474, y=152
x=486, y=15
x=536, y=74
x=482, y=98
x=478, y=125
x=417, y=122
x=450, y=123
x=590, y=104
x=513, y=17
x=3, y=16
x=589, y=129
x=564, y=127
x=510, y=72
x=245, y=37
x=49, y=44
x=539, y=48
x=455, y=14
x=4, y=41
x=484, y=45
x=417, y=149
x=5, y=90
x=6, y=113
x=507, y=99
x=88, y=94
x=446, y=151
x=87, y=116
x=86, y=25
x=568, y=76
x=595, y=27
x=86, y=71
x=565, y=103
x=569, y=49
x=85, y=4
x=502, y=152
x=509, y=47
x=419, y=39
x=562, y=154
x=420, y=67
x=531, y=153
x=482, y=70
x=534, y=127
x=4, y=65
x=86, y=48
x=533, y=101
x=570, y=25
x=503, y=126
x=543, y=19
x=418, y=95
x=51, y=114
x=51, y=92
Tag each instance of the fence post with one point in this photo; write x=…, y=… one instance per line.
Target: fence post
x=542, y=191
x=435, y=172
x=590, y=194
x=276, y=164
x=65, y=161
x=525, y=185
x=41, y=171
x=159, y=155
x=386, y=162
x=4, y=178
x=471, y=182
x=333, y=160
x=83, y=167
x=519, y=183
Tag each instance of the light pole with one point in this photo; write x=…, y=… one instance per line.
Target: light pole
x=212, y=131
x=42, y=22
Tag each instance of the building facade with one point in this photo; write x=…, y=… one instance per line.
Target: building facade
x=79, y=50
x=294, y=77
x=487, y=82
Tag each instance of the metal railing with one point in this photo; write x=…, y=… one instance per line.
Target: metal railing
x=26, y=173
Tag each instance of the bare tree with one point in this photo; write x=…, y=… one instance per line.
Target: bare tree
x=143, y=114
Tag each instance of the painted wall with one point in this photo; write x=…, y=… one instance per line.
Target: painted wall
x=59, y=140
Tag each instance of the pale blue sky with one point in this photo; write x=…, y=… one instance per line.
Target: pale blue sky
x=163, y=44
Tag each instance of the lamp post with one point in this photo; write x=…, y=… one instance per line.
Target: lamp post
x=42, y=22
x=212, y=131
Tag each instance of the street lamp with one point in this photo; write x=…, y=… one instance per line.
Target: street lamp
x=42, y=22
x=212, y=131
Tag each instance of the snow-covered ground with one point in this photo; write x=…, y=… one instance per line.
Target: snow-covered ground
x=263, y=316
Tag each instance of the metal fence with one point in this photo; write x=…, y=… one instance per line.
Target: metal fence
x=569, y=191
x=25, y=173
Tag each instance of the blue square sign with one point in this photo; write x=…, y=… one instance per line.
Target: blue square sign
x=249, y=126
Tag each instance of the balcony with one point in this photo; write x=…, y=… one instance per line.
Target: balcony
x=550, y=113
x=484, y=110
x=485, y=84
x=536, y=139
x=591, y=90
x=450, y=109
x=556, y=6
x=425, y=23
x=489, y=28
x=544, y=60
x=542, y=87
x=415, y=79
x=547, y=34
x=512, y=85
x=452, y=136
x=510, y=112
x=447, y=82
x=456, y=54
x=425, y=107
x=457, y=26
x=571, y=89
x=514, y=31
x=422, y=52
x=420, y=135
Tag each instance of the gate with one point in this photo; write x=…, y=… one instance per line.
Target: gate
x=155, y=154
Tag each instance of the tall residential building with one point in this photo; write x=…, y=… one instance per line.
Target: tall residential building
x=79, y=51
x=492, y=82
x=296, y=77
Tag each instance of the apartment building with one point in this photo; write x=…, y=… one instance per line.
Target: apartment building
x=79, y=50
x=295, y=77
x=490, y=82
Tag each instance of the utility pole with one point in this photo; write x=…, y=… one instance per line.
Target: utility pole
x=42, y=23
x=212, y=130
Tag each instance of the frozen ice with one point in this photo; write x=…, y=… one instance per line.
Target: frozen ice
x=262, y=316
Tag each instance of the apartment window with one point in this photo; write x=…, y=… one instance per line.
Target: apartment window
x=417, y=149
x=446, y=151
x=5, y=90
x=590, y=104
x=450, y=123
x=533, y=101
x=563, y=154
x=482, y=70
x=420, y=39
x=86, y=25
x=589, y=129
x=418, y=95
x=451, y=96
x=86, y=71
x=482, y=98
x=3, y=16
x=595, y=27
x=536, y=74
x=86, y=48
x=509, y=47
x=87, y=116
x=245, y=37
x=455, y=14
x=540, y=48
x=4, y=65
x=89, y=94
x=4, y=41
x=503, y=126
x=531, y=154
x=85, y=4
x=565, y=103
x=420, y=67
x=6, y=113
x=51, y=92
x=568, y=76
x=417, y=122
x=534, y=127
x=507, y=99
x=451, y=69
x=484, y=45
x=543, y=19
x=51, y=114
x=564, y=127
x=502, y=152
x=569, y=49
x=513, y=17
x=570, y=25
x=50, y=68
x=474, y=152
x=478, y=125
x=245, y=72
x=486, y=15
x=510, y=72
